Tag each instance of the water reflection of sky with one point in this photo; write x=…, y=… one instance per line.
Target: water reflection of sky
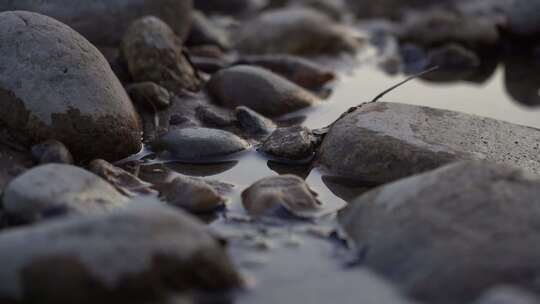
x=490, y=99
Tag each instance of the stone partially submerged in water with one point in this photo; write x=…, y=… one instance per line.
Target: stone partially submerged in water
x=55, y=85
x=294, y=31
x=192, y=194
x=199, y=144
x=258, y=89
x=141, y=253
x=103, y=22
x=294, y=143
x=55, y=190
x=267, y=196
x=447, y=235
x=382, y=142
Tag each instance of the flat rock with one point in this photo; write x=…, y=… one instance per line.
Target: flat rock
x=125, y=182
x=447, y=235
x=198, y=144
x=56, y=189
x=258, y=89
x=153, y=53
x=137, y=254
x=103, y=22
x=295, y=31
x=270, y=195
x=55, y=85
x=382, y=142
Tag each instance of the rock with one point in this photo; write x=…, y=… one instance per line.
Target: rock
x=258, y=89
x=453, y=57
x=51, y=151
x=523, y=20
x=506, y=294
x=253, y=122
x=335, y=9
x=382, y=142
x=55, y=85
x=294, y=31
x=390, y=8
x=214, y=117
x=471, y=222
x=437, y=27
x=125, y=182
x=229, y=7
x=272, y=194
x=205, y=32
x=522, y=80
x=303, y=72
x=198, y=144
x=414, y=58
x=153, y=53
x=103, y=22
x=143, y=252
x=56, y=189
x=192, y=194
x=292, y=143
x=149, y=95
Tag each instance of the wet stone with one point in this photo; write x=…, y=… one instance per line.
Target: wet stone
x=192, y=194
x=214, y=117
x=253, y=122
x=199, y=144
x=453, y=57
x=51, y=151
x=506, y=295
x=381, y=142
x=295, y=31
x=55, y=84
x=56, y=190
x=125, y=182
x=301, y=71
x=205, y=32
x=149, y=95
x=143, y=252
x=292, y=143
x=272, y=195
x=154, y=53
x=258, y=89
x=471, y=222
x=436, y=27
x=103, y=22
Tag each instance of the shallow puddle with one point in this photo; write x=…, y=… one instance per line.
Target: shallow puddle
x=292, y=261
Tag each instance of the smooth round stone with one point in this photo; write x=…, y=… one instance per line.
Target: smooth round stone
x=199, y=144
x=57, y=189
x=103, y=22
x=258, y=89
x=146, y=252
x=54, y=84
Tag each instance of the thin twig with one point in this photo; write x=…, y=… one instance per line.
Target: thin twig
x=381, y=95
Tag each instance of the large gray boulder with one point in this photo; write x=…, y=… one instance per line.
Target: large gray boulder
x=54, y=84
x=58, y=189
x=103, y=22
x=382, y=142
x=133, y=255
x=447, y=235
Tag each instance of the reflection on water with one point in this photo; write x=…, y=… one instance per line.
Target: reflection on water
x=292, y=261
